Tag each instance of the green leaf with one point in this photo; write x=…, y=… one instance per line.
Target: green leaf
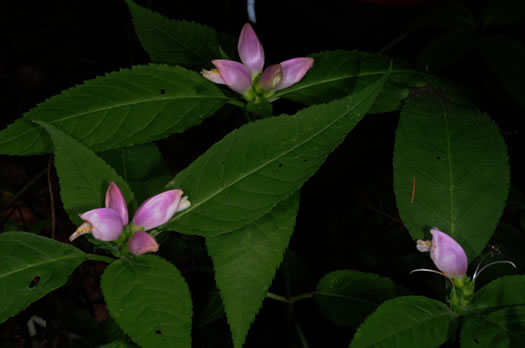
x=450, y=171
x=346, y=297
x=406, y=322
x=243, y=176
x=142, y=166
x=502, y=12
x=245, y=262
x=150, y=300
x=122, y=343
x=448, y=49
x=504, y=291
x=500, y=329
x=505, y=58
x=84, y=177
x=336, y=74
x=30, y=267
x=177, y=42
x=123, y=108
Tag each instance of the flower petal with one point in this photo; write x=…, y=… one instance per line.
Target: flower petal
x=213, y=75
x=294, y=70
x=106, y=223
x=115, y=200
x=448, y=256
x=234, y=74
x=157, y=210
x=141, y=243
x=271, y=77
x=250, y=50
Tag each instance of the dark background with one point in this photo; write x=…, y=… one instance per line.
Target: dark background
x=49, y=46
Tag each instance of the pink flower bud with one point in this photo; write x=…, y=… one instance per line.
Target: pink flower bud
x=115, y=200
x=271, y=77
x=213, y=75
x=250, y=50
x=294, y=70
x=157, y=210
x=234, y=74
x=141, y=243
x=448, y=256
x=106, y=224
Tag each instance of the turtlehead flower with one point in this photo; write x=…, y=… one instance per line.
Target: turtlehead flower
x=107, y=223
x=448, y=256
x=248, y=77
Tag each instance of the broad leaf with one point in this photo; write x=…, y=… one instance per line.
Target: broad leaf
x=502, y=12
x=346, y=297
x=142, y=166
x=122, y=108
x=504, y=291
x=450, y=171
x=245, y=262
x=30, y=267
x=500, y=329
x=242, y=177
x=84, y=177
x=336, y=74
x=448, y=49
x=119, y=344
x=406, y=322
x=177, y=42
x=150, y=300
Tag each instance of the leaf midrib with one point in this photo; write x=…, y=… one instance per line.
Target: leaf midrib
x=32, y=265
x=273, y=159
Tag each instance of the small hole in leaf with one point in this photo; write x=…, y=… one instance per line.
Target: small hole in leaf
x=476, y=340
x=34, y=282
x=162, y=91
x=158, y=332
x=280, y=165
x=438, y=157
x=305, y=160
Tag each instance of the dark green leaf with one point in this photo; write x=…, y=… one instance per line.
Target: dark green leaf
x=243, y=176
x=245, y=262
x=336, y=74
x=504, y=291
x=448, y=49
x=84, y=177
x=177, y=42
x=346, y=297
x=502, y=12
x=128, y=107
x=450, y=171
x=150, y=300
x=505, y=58
x=406, y=322
x=30, y=267
x=500, y=329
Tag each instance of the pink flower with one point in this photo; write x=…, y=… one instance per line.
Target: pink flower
x=107, y=223
x=448, y=256
x=242, y=78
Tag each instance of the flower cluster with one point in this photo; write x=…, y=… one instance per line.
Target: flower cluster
x=248, y=77
x=107, y=224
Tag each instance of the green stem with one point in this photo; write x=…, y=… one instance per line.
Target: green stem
x=95, y=257
x=292, y=299
x=236, y=102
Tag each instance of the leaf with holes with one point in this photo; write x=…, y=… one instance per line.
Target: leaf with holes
x=31, y=266
x=336, y=74
x=243, y=176
x=131, y=106
x=245, y=262
x=406, y=322
x=150, y=300
x=499, y=329
x=84, y=177
x=450, y=171
x=346, y=297
x=178, y=42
